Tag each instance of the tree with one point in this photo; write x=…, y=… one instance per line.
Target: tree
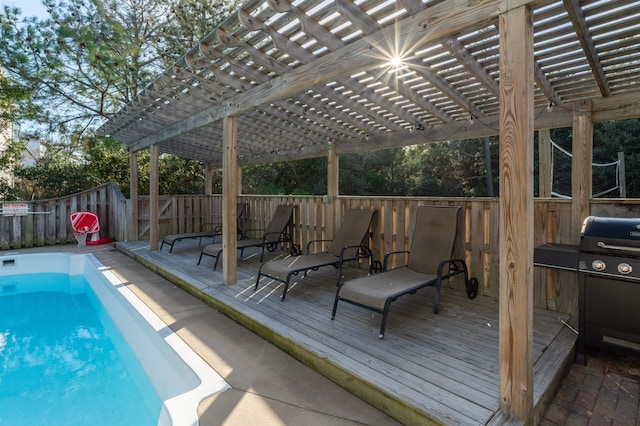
x=14, y=102
x=612, y=137
x=84, y=63
x=375, y=173
x=288, y=177
x=609, y=138
x=452, y=169
x=92, y=57
x=190, y=21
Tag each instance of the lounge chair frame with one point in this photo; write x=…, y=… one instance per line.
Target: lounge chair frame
x=406, y=281
x=274, y=235
x=216, y=229
x=312, y=261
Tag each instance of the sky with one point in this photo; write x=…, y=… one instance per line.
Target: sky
x=28, y=7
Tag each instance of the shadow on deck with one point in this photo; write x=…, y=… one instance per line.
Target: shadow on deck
x=428, y=369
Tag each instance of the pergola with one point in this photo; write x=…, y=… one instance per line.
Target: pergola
x=281, y=80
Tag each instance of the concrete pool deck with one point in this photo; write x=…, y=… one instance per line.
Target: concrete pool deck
x=268, y=386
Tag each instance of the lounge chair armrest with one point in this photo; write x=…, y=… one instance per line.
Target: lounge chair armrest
x=208, y=226
x=454, y=267
x=242, y=234
x=363, y=251
x=314, y=242
x=385, y=262
x=248, y=233
x=284, y=236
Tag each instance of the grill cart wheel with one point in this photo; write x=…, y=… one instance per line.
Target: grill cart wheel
x=272, y=247
x=295, y=250
x=472, y=288
x=376, y=266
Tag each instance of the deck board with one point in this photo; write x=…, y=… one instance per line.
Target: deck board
x=443, y=366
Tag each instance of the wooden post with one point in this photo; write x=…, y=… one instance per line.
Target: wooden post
x=622, y=175
x=516, y=212
x=487, y=166
x=208, y=180
x=581, y=177
x=333, y=213
x=208, y=191
x=545, y=155
x=134, y=226
x=154, y=196
x=229, y=200
x=544, y=163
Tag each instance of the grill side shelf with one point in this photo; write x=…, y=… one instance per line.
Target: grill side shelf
x=564, y=257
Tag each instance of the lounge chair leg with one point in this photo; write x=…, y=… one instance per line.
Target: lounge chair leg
x=284, y=292
x=286, y=286
x=436, y=302
x=199, y=259
x=215, y=265
x=383, y=324
x=335, y=306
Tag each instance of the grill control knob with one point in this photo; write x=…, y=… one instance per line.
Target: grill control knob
x=598, y=265
x=625, y=268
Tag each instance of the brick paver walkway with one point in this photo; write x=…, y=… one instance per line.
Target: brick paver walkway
x=605, y=392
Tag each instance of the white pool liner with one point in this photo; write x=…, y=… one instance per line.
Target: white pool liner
x=180, y=377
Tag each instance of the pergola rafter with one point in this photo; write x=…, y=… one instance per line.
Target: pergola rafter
x=346, y=89
x=370, y=101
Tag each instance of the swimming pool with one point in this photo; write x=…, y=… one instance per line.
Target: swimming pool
x=179, y=376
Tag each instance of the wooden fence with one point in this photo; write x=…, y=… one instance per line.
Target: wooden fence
x=47, y=222
x=477, y=241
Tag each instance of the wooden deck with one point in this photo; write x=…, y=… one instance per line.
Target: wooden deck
x=429, y=368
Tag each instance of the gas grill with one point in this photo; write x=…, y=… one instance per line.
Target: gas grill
x=608, y=265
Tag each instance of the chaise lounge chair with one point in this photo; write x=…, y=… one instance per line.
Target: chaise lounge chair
x=274, y=234
x=208, y=230
x=428, y=264
x=348, y=244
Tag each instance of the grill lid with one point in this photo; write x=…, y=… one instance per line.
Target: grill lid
x=611, y=235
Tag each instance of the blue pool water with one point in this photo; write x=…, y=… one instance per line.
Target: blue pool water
x=63, y=361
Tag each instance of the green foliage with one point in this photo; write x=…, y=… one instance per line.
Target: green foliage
x=612, y=137
x=106, y=160
x=15, y=102
x=51, y=178
x=77, y=63
x=65, y=75
x=9, y=156
x=375, y=173
x=609, y=138
x=288, y=177
x=451, y=169
x=91, y=57
x=190, y=21
x=180, y=176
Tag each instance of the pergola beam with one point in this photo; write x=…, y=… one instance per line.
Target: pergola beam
x=560, y=116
